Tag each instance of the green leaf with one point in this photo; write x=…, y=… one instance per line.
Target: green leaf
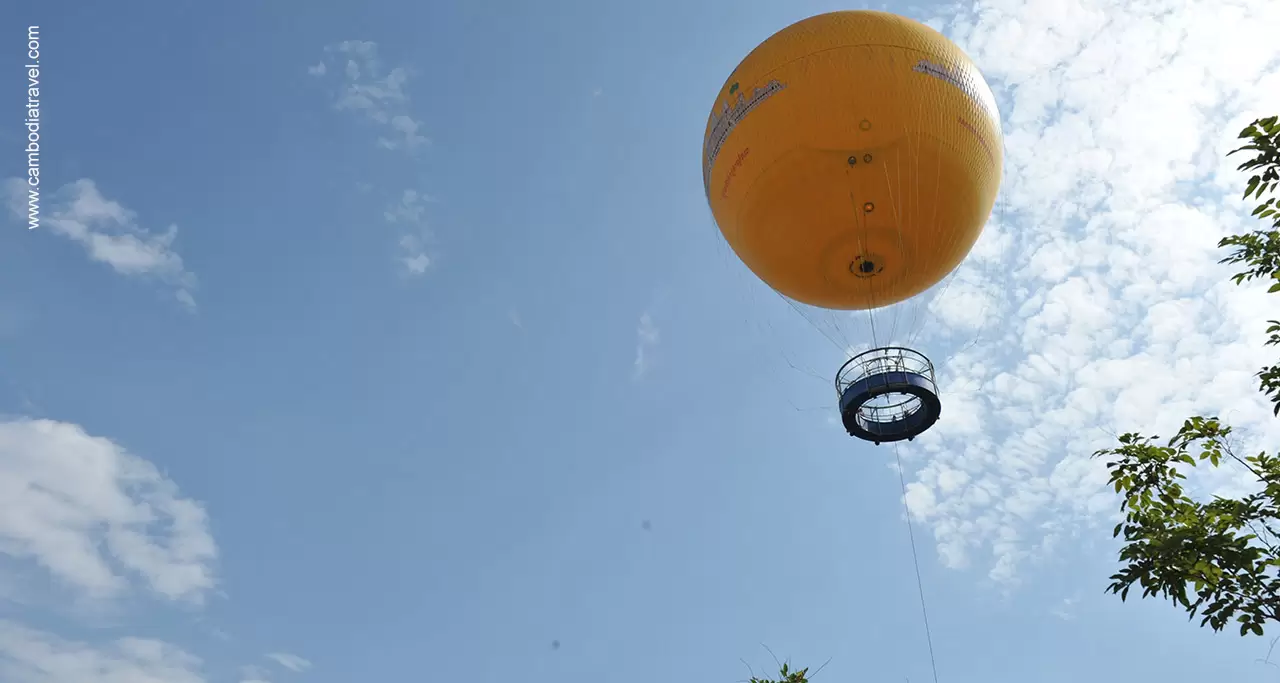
x=1203, y=555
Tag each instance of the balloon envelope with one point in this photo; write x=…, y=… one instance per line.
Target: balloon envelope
x=852, y=159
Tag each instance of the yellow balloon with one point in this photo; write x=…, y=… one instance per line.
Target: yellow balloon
x=852, y=159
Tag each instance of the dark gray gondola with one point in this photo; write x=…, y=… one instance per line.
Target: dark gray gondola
x=888, y=394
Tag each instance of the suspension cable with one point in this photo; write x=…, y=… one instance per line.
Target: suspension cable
x=915, y=558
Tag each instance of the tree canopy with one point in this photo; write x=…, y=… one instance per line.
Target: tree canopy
x=785, y=675
x=1219, y=559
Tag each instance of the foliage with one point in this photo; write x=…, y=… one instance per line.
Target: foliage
x=1219, y=559
x=1260, y=249
x=786, y=676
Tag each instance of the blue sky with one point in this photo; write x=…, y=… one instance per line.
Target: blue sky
x=444, y=321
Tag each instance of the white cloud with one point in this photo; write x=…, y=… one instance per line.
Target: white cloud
x=646, y=339
x=376, y=94
x=97, y=518
x=415, y=256
x=289, y=661
x=1066, y=609
x=253, y=674
x=409, y=209
x=30, y=656
x=379, y=96
x=1107, y=308
x=109, y=233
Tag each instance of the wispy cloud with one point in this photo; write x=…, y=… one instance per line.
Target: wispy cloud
x=253, y=674
x=1066, y=608
x=98, y=518
x=376, y=94
x=290, y=661
x=31, y=656
x=379, y=96
x=413, y=255
x=1115, y=315
x=109, y=233
x=415, y=236
x=646, y=339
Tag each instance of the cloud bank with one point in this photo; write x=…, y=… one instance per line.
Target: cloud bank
x=1105, y=308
